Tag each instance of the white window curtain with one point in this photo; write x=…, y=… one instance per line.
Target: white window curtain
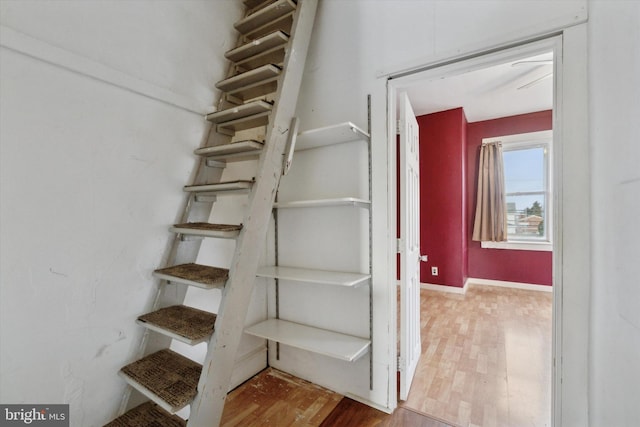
x=490, y=221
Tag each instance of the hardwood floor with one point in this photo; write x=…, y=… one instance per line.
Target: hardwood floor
x=274, y=398
x=486, y=361
x=486, y=358
x=350, y=413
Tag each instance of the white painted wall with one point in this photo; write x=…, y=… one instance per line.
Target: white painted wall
x=614, y=101
x=91, y=176
x=356, y=44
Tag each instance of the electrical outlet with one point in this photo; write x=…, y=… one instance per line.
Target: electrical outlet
x=434, y=271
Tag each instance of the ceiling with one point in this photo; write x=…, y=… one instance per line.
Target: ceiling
x=488, y=93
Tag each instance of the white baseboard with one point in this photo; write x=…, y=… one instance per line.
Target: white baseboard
x=443, y=288
x=485, y=282
x=248, y=366
x=369, y=403
x=514, y=285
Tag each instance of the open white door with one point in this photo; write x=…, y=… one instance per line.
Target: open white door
x=409, y=247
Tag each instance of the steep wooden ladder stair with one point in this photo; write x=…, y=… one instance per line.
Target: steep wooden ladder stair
x=260, y=92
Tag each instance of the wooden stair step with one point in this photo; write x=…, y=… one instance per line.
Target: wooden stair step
x=253, y=83
x=146, y=415
x=250, y=122
x=284, y=24
x=205, y=229
x=201, y=276
x=166, y=377
x=255, y=90
x=250, y=77
x=268, y=49
x=230, y=151
x=186, y=324
x=250, y=4
x=219, y=187
x=264, y=16
x=240, y=111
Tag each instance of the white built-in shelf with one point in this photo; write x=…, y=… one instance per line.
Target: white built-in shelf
x=321, y=341
x=330, y=135
x=336, y=278
x=320, y=203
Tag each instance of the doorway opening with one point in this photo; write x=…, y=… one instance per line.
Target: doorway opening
x=475, y=94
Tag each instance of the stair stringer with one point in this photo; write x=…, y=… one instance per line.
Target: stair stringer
x=206, y=409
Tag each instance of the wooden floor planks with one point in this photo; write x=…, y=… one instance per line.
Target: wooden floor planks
x=274, y=398
x=486, y=357
x=352, y=413
x=485, y=362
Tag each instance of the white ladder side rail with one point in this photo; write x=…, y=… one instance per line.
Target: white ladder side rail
x=206, y=410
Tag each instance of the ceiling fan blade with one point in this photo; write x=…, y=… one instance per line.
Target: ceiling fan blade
x=536, y=81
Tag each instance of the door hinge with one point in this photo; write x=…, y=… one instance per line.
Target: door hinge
x=400, y=248
x=401, y=364
x=398, y=127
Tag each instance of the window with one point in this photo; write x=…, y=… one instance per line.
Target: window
x=527, y=176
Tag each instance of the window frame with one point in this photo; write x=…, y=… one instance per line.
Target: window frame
x=519, y=142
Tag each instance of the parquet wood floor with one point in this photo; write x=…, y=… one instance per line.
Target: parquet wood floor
x=486, y=358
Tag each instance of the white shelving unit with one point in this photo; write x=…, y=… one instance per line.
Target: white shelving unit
x=321, y=203
x=321, y=341
x=330, y=135
x=322, y=277
x=307, y=337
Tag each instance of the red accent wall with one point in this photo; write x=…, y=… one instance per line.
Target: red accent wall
x=500, y=264
x=443, y=226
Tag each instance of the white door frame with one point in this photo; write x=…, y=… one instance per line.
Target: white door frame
x=401, y=80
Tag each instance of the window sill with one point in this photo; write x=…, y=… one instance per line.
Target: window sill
x=519, y=246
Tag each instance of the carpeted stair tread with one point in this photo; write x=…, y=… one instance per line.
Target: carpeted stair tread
x=209, y=227
x=233, y=149
x=205, y=229
x=196, y=274
x=147, y=415
x=220, y=186
x=188, y=322
x=168, y=375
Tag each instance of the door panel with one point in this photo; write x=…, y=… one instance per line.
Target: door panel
x=410, y=345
